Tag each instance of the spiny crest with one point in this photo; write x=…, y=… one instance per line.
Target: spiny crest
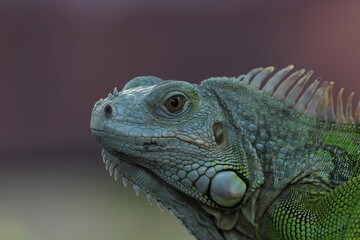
x=115, y=94
x=314, y=102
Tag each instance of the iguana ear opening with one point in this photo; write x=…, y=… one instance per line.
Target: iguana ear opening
x=145, y=81
x=219, y=133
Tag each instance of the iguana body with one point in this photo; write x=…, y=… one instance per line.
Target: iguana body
x=239, y=158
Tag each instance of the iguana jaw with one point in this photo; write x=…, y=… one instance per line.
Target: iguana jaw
x=186, y=209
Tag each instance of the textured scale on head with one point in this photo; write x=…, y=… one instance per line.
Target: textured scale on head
x=218, y=155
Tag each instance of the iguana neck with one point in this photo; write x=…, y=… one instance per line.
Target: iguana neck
x=278, y=136
x=289, y=146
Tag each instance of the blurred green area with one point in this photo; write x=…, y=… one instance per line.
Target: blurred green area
x=77, y=200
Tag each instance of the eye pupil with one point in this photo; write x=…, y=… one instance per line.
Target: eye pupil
x=174, y=102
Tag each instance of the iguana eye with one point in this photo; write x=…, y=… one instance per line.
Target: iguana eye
x=175, y=103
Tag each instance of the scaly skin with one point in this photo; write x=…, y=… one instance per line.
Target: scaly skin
x=231, y=161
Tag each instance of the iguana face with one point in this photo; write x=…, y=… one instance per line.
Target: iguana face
x=171, y=138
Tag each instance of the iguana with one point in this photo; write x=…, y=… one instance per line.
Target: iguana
x=259, y=156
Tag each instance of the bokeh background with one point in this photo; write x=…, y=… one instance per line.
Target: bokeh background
x=57, y=57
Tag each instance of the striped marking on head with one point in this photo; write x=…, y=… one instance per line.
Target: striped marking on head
x=315, y=101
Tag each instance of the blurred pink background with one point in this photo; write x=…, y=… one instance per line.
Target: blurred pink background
x=58, y=57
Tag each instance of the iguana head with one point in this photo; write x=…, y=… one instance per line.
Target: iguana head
x=174, y=140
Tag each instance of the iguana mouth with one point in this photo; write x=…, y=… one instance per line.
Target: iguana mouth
x=150, y=137
x=149, y=144
x=153, y=143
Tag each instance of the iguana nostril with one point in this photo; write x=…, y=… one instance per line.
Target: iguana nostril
x=108, y=110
